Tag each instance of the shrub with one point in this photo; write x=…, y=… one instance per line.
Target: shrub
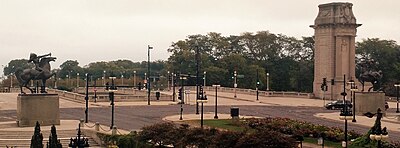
x=37, y=138
x=54, y=142
x=226, y=139
x=294, y=127
x=158, y=134
x=64, y=88
x=266, y=139
x=124, y=141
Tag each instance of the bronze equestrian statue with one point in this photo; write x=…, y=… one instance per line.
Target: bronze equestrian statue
x=369, y=73
x=42, y=71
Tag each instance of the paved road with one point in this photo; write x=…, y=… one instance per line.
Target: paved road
x=135, y=117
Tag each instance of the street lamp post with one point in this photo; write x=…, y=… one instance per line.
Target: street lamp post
x=87, y=99
x=397, y=85
x=104, y=78
x=267, y=81
x=11, y=77
x=95, y=91
x=134, y=79
x=111, y=89
x=235, y=83
x=168, y=76
x=148, y=70
x=204, y=78
x=257, y=84
x=67, y=76
x=173, y=86
x=145, y=80
x=77, y=80
x=122, y=79
x=183, y=88
x=377, y=132
x=345, y=114
x=197, y=77
x=78, y=141
x=202, y=100
x=353, y=89
x=181, y=94
x=324, y=88
x=216, y=100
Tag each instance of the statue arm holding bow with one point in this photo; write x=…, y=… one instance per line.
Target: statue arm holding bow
x=36, y=59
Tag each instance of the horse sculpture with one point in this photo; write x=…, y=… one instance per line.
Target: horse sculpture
x=26, y=75
x=374, y=78
x=369, y=73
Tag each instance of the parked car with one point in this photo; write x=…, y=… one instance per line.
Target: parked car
x=338, y=104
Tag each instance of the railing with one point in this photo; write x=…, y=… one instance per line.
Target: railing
x=253, y=92
x=92, y=130
x=105, y=97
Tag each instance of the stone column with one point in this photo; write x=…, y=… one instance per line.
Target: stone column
x=335, y=31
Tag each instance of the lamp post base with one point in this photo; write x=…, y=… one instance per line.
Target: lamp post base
x=215, y=117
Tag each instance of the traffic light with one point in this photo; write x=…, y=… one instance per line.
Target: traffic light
x=107, y=86
x=201, y=92
x=324, y=86
x=180, y=94
x=140, y=86
x=169, y=78
x=111, y=96
x=332, y=81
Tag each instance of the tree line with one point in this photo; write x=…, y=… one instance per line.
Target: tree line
x=287, y=62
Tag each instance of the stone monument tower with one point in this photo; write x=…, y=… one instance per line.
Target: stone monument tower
x=335, y=31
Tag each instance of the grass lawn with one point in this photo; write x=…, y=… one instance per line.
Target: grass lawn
x=224, y=124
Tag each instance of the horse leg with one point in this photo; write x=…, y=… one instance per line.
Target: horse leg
x=43, y=87
x=22, y=92
x=362, y=86
x=30, y=89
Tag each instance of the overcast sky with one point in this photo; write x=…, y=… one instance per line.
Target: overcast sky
x=104, y=30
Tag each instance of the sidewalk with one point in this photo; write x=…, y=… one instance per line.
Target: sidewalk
x=206, y=116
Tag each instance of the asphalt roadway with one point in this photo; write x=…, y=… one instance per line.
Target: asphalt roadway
x=129, y=116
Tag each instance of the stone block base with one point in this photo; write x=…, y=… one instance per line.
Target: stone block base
x=38, y=107
x=369, y=102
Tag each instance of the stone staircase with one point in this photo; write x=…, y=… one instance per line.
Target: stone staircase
x=23, y=138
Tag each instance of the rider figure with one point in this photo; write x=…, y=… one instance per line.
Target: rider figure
x=368, y=66
x=36, y=59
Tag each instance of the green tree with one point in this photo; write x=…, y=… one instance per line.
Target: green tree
x=70, y=68
x=54, y=142
x=37, y=138
x=17, y=63
x=386, y=53
x=288, y=60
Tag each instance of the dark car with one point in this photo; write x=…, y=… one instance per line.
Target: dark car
x=338, y=104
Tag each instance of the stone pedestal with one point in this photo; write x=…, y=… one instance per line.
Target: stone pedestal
x=369, y=102
x=38, y=107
